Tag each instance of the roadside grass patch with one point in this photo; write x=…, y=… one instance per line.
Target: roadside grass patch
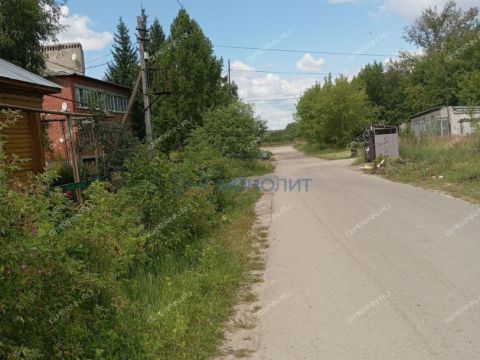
x=322, y=152
x=181, y=310
x=449, y=164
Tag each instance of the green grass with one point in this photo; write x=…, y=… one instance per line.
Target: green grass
x=322, y=152
x=449, y=164
x=191, y=297
x=257, y=168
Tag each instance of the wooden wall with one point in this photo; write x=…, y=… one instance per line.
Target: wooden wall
x=24, y=138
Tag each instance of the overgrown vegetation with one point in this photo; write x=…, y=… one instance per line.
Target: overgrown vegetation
x=281, y=137
x=323, y=152
x=450, y=164
x=333, y=113
x=141, y=270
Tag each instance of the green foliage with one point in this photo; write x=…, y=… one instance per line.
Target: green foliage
x=124, y=68
x=434, y=28
x=334, y=112
x=385, y=89
x=156, y=37
x=446, y=73
x=469, y=92
x=197, y=84
x=233, y=130
x=113, y=139
x=286, y=136
x=59, y=293
x=24, y=27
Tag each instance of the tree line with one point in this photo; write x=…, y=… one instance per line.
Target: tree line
x=444, y=71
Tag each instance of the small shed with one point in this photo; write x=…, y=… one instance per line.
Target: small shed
x=380, y=140
x=24, y=91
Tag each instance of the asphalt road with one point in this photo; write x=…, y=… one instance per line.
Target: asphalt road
x=363, y=268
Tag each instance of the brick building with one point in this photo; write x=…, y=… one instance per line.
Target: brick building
x=78, y=92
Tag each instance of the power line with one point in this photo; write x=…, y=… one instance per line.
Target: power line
x=95, y=59
x=288, y=72
x=302, y=51
x=99, y=65
x=268, y=100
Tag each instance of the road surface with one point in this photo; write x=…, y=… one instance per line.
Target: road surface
x=363, y=268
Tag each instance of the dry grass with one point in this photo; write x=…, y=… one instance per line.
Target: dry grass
x=449, y=164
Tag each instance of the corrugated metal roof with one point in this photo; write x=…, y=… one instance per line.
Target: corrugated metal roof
x=14, y=72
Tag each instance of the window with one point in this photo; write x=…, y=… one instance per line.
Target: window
x=117, y=103
x=86, y=97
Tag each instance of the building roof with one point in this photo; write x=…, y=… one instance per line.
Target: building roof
x=13, y=72
x=426, y=112
x=75, y=75
x=456, y=109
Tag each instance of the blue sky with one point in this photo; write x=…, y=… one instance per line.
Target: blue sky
x=348, y=26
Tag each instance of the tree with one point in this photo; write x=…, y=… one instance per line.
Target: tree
x=124, y=68
x=233, y=130
x=24, y=27
x=385, y=89
x=197, y=83
x=156, y=37
x=434, y=28
x=144, y=16
x=334, y=113
x=469, y=92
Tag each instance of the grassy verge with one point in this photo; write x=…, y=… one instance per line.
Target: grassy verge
x=185, y=305
x=451, y=165
x=322, y=152
x=257, y=168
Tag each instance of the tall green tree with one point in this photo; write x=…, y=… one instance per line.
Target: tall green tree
x=334, y=113
x=197, y=83
x=24, y=27
x=124, y=68
x=156, y=37
x=143, y=14
x=434, y=28
x=384, y=86
x=450, y=40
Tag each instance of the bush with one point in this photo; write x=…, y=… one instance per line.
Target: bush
x=178, y=201
x=232, y=130
x=59, y=292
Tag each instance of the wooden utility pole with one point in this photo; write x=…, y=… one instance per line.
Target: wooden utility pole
x=76, y=173
x=146, y=101
x=132, y=97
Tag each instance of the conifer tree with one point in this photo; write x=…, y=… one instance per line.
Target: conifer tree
x=124, y=68
x=197, y=82
x=156, y=37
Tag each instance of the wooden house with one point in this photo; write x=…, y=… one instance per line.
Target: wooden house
x=23, y=91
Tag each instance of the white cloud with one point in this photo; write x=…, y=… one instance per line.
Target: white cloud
x=259, y=86
x=240, y=66
x=309, y=63
x=78, y=29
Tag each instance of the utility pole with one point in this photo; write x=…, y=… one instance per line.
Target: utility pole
x=146, y=101
x=229, y=80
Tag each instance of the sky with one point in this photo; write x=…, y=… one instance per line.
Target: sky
x=361, y=30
